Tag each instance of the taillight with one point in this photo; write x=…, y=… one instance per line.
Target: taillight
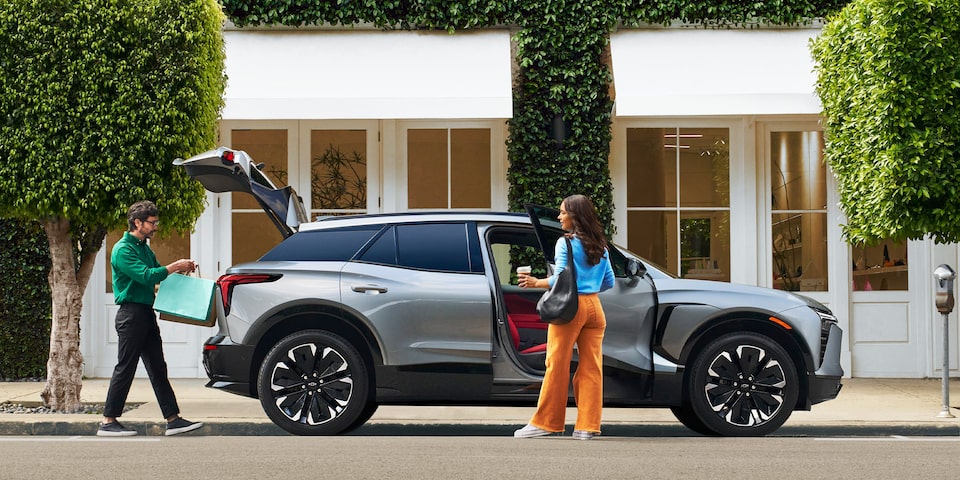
x=230, y=280
x=227, y=157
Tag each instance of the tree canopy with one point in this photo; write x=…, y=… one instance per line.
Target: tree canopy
x=96, y=100
x=889, y=80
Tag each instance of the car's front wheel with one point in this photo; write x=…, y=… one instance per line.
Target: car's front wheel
x=314, y=383
x=743, y=384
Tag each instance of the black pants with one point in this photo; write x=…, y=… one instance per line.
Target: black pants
x=139, y=337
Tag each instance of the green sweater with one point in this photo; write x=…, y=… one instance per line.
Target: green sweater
x=135, y=271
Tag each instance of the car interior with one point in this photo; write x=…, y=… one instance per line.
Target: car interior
x=524, y=330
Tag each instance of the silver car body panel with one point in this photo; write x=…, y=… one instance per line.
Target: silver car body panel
x=422, y=317
x=302, y=283
x=697, y=302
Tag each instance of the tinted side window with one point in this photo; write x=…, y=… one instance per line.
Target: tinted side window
x=382, y=250
x=434, y=246
x=323, y=245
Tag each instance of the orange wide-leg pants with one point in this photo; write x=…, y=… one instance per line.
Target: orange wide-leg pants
x=586, y=331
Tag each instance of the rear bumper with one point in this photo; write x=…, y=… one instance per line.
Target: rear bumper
x=228, y=365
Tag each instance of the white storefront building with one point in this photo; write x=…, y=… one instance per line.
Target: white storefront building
x=716, y=164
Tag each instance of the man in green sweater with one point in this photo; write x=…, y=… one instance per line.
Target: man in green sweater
x=135, y=274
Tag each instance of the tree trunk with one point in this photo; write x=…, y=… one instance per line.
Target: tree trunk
x=65, y=365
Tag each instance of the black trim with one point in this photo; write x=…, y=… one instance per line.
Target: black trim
x=228, y=365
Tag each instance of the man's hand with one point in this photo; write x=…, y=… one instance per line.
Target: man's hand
x=183, y=265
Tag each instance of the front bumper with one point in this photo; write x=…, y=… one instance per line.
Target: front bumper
x=825, y=384
x=228, y=365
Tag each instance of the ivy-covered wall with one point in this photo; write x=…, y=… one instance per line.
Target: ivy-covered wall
x=563, y=79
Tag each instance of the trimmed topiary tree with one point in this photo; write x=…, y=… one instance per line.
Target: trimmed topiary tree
x=96, y=100
x=889, y=79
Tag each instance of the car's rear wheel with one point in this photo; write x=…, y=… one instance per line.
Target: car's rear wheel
x=743, y=384
x=314, y=383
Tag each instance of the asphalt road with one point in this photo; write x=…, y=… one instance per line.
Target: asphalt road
x=180, y=458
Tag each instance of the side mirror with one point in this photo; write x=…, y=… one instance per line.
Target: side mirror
x=635, y=270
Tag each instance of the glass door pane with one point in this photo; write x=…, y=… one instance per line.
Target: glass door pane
x=448, y=168
x=253, y=234
x=470, y=168
x=880, y=267
x=338, y=171
x=798, y=185
x=427, y=168
x=678, y=199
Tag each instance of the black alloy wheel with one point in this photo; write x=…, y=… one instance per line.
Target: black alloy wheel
x=314, y=383
x=742, y=384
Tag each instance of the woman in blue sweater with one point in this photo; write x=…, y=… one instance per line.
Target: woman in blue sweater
x=594, y=274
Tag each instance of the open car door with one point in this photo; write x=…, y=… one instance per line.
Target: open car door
x=225, y=170
x=630, y=308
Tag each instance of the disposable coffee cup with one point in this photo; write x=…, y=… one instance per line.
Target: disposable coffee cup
x=523, y=270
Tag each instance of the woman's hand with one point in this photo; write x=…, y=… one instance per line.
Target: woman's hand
x=527, y=281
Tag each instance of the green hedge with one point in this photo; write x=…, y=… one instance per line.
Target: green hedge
x=24, y=300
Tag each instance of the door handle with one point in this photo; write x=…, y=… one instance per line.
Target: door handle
x=374, y=289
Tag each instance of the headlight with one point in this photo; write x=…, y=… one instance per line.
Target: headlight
x=826, y=316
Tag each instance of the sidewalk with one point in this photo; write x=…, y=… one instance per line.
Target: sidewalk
x=864, y=407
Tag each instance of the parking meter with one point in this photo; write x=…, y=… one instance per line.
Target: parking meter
x=944, y=276
x=944, y=299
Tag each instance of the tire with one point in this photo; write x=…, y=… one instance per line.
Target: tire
x=365, y=415
x=314, y=383
x=690, y=420
x=742, y=385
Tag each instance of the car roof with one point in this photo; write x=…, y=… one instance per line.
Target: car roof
x=414, y=217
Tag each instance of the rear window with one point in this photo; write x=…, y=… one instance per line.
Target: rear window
x=335, y=245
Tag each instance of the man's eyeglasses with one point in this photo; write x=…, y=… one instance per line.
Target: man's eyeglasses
x=155, y=223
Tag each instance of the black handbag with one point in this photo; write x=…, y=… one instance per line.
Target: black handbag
x=559, y=304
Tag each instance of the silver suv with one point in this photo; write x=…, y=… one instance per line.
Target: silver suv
x=348, y=313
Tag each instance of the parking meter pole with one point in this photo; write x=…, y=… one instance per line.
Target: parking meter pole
x=945, y=379
x=944, y=276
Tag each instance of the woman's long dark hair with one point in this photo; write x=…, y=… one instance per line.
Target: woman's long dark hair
x=586, y=226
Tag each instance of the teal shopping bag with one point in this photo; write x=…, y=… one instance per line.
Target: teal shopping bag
x=186, y=299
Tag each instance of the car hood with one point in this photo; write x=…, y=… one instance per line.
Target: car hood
x=728, y=295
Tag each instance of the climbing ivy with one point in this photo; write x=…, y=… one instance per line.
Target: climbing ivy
x=563, y=80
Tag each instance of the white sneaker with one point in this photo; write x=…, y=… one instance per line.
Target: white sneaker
x=584, y=435
x=530, y=431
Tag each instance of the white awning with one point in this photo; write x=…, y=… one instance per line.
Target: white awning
x=337, y=74
x=714, y=72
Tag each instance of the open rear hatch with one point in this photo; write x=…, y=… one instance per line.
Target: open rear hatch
x=225, y=170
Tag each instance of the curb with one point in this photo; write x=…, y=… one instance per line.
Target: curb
x=261, y=429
